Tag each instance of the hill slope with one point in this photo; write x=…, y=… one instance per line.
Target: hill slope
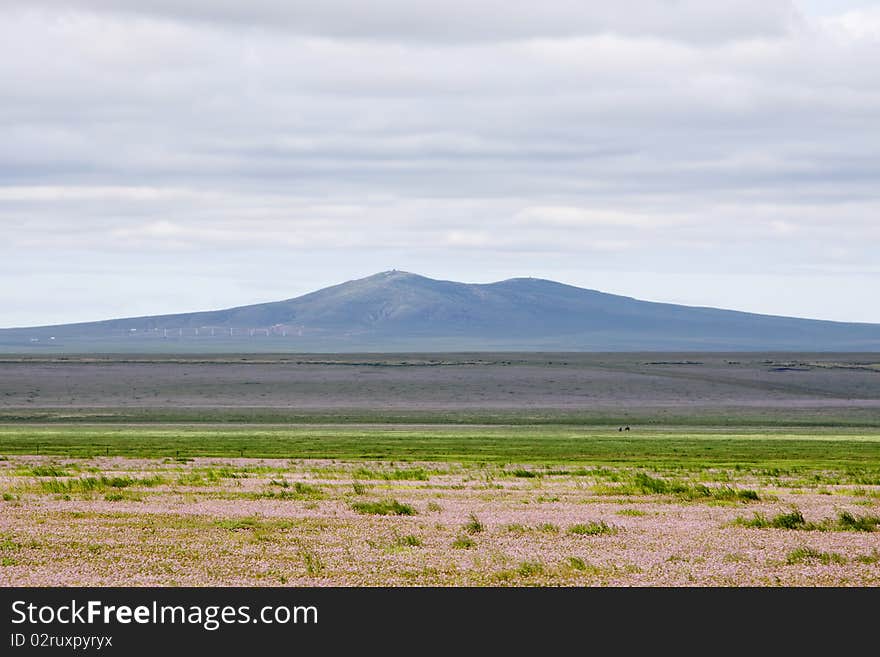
x=399, y=311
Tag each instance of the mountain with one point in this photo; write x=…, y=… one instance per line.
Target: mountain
x=400, y=311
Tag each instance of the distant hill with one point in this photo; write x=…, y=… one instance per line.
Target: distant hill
x=400, y=311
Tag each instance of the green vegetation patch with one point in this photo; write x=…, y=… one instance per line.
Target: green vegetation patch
x=473, y=525
x=208, y=476
x=778, y=450
x=592, y=528
x=96, y=484
x=845, y=522
x=641, y=483
x=383, y=508
x=297, y=491
x=523, y=473
x=463, y=542
x=410, y=540
x=397, y=474
x=45, y=471
x=808, y=554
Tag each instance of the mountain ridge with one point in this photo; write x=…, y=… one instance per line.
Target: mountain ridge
x=398, y=310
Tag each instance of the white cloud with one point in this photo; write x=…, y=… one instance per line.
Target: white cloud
x=59, y=193
x=861, y=24
x=466, y=20
x=330, y=140
x=783, y=228
x=575, y=217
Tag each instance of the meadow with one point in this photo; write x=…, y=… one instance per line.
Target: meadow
x=486, y=506
x=759, y=470
x=845, y=448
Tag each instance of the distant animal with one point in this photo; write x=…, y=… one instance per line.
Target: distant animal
x=626, y=429
x=620, y=428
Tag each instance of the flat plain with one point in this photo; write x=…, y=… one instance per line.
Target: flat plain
x=468, y=469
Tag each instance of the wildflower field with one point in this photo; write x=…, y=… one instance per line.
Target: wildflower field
x=406, y=505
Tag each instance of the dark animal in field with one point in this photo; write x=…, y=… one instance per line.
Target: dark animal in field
x=626, y=429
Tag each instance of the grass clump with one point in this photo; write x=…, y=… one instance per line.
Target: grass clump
x=397, y=474
x=191, y=479
x=845, y=522
x=793, y=520
x=592, y=529
x=734, y=557
x=383, y=508
x=208, y=477
x=8, y=543
x=314, y=565
x=463, y=542
x=525, y=474
x=576, y=563
x=410, y=540
x=236, y=524
x=298, y=491
x=735, y=494
x=872, y=558
x=849, y=523
x=95, y=484
x=47, y=471
x=645, y=483
x=307, y=490
x=642, y=483
x=635, y=513
x=530, y=568
x=474, y=526
x=119, y=496
x=806, y=554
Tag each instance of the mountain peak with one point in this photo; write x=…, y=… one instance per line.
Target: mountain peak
x=393, y=275
x=397, y=310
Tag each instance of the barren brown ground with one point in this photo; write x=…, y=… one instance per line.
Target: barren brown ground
x=446, y=382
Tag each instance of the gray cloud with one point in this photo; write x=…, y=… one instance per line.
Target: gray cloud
x=469, y=20
x=672, y=147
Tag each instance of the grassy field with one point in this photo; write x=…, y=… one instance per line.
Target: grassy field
x=437, y=505
x=795, y=448
x=787, y=520
x=483, y=470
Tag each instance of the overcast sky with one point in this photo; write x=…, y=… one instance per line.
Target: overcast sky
x=175, y=155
